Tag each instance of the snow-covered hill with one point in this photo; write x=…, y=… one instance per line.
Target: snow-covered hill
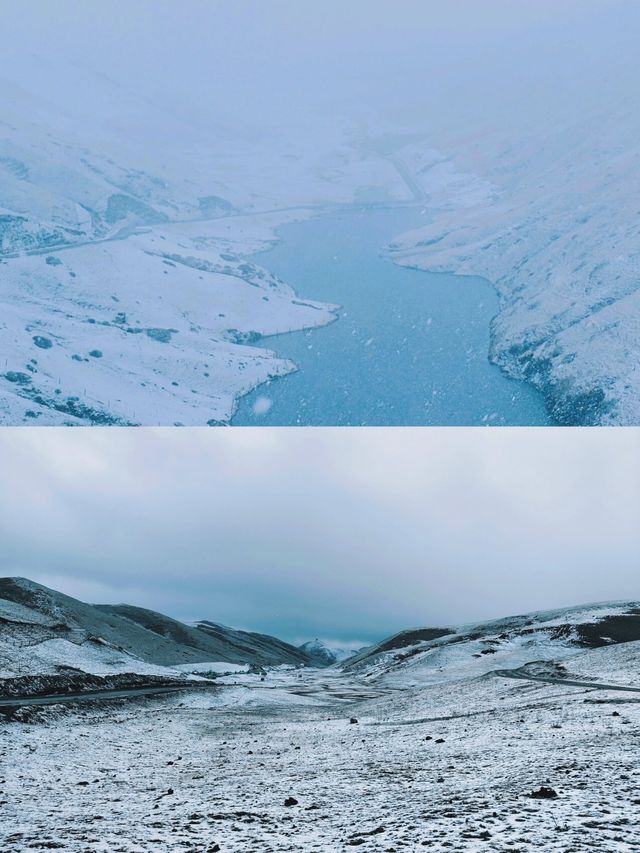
x=530, y=165
x=323, y=654
x=47, y=633
x=434, y=655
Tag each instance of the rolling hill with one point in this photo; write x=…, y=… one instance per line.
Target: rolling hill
x=431, y=655
x=47, y=633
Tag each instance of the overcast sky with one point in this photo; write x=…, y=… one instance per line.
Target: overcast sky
x=423, y=61
x=345, y=534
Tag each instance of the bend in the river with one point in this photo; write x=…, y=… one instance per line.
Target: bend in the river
x=408, y=348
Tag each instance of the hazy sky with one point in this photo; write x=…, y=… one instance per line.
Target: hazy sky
x=344, y=534
x=425, y=61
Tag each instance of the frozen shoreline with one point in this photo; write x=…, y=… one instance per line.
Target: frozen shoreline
x=147, y=330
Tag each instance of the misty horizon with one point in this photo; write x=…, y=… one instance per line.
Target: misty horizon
x=337, y=534
x=352, y=644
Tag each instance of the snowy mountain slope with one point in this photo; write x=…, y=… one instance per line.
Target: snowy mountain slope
x=430, y=656
x=150, y=329
x=260, y=649
x=618, y=664
x=547, y=213
x=42, y=630
x=326, y=655
x=219, y=642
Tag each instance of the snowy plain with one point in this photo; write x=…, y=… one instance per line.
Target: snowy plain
x=442, y=743
x=441, y=767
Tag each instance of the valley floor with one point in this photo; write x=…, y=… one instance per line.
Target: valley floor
x=445, y=767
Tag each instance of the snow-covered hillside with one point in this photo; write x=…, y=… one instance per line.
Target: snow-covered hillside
x=435, y=655
x=46, y=633
x=546, y=212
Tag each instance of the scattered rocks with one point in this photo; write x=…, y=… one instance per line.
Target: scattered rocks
x=544, y=793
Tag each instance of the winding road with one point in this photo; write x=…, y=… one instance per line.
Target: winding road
x=98, y=695
x=548, y=679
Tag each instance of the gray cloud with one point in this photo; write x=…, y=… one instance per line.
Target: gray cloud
x=339, y=533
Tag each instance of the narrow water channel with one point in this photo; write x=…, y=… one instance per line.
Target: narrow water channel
x=408, y=348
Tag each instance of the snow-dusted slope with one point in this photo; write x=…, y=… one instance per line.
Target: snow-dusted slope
x=547, y=212
x=43, y=632
x=434, y=655
x=149, y=329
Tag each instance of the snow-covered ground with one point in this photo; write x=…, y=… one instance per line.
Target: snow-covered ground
x=441, y=767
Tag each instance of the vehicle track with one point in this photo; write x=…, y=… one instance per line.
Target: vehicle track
x=548, y=679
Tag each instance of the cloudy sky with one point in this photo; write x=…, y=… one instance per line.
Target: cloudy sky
x=417, y=60
x=344, y=534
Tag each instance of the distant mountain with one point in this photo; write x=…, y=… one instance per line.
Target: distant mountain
x=320, y=654
x=263, y=648
x=428, y=655
x=45, y=632
x=323, y=655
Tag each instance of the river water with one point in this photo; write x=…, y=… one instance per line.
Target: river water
x=408, y=347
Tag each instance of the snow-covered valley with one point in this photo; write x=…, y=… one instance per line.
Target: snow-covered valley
x=125, y=289
x=511, y=735
x=279, y=765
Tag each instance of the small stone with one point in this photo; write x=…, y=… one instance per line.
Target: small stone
x=291, y=801
x=544, y=793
